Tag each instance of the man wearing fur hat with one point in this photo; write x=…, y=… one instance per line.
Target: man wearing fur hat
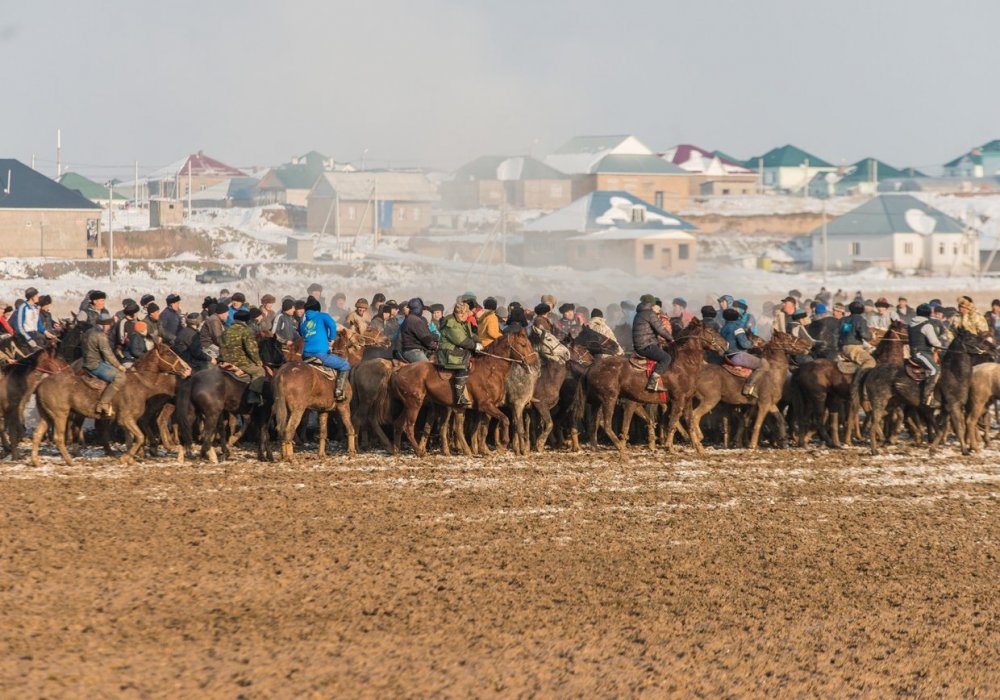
x=170, y=319
x=455, y=349
x=969, y=319
x=240, y=350
x=101, y=362
x=567, y=326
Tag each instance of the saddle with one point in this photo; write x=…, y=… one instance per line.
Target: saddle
x=90, y=380
x=318, y=365
x=736, y=370
x=914, y=370
x=643, y=364
x=235, y=372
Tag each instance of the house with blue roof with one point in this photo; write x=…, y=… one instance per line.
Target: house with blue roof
x=862, y=177
x=612, y=230
x=982, y=161
x=897, y=232
x=41, y=218
x=515, y=181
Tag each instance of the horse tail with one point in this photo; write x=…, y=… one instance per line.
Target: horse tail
x=379, y=410
x=279, y=407
x=184, y=412
x=859, y=393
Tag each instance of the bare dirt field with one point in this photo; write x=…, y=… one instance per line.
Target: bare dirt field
x=779, y=573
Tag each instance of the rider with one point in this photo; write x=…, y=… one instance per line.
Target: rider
x=188, y=344
x=319, y=329
x=646, y=329
x=854, y=335
x=738, y=343
x=100, y=362
x=969, y=319
x=416, y=339
x=239, y=349
x=29, y=326
x=489, y=323
x=357, y=320
x=285, y=327
x=458, y=342
x=923, y=339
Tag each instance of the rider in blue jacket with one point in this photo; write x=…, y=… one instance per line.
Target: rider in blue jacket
x=319, y=330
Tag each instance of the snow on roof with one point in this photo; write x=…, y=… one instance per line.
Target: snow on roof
x=386, y=185
x=633, y=234
x=580, y=154
x=893, y=213
x=697, y=160
x=605, y=209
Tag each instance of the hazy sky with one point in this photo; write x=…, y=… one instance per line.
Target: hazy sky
x=437, y=82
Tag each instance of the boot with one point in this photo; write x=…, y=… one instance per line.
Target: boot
x=459, y=386
x=750, y=386
x=653, y=384
x=339, y=392
x=927, y=391
x=107, y=398
x=255, y=392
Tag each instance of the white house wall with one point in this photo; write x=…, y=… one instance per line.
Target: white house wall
x=909, y=251
x=793, y=179
x=952, y=253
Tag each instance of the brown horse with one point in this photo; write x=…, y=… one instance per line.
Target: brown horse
x=416, y=383
x=718, y=385
x=614, y=378
x=154, y=374
x=300, y=387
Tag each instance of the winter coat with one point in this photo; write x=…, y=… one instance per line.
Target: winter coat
x=854, y=330
x=188, y=348
x=29, y=320
x=736, y=337
x=415, y=334
x=647, y=327
x=319, y=329
x=97, y=349
x=457, y=343
x=239, y=348
x=489, y=328
x=826, y=331
x=285, y=328
x=135, y=347
x=212, y=331
x=170, y=325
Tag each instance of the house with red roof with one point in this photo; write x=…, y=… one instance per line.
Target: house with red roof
x=197, y=169
x=711, y=172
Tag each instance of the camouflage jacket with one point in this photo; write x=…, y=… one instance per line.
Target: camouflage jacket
x=239, y=347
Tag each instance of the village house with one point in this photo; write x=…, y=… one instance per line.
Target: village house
x=40, y=217
x=982, y=161
x=788, y=168
x=201, y=171
x=622, y=163
x=345, y=203
x=521, y=182
x=95, y=192
x=612, y=230
x=711, y=173
x=291, y=183
x=863, y=177
x=900, y=233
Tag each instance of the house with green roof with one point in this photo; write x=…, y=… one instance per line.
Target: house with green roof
x=521, y=182
x=95, y=192
x=862, y=177
x=290, y=183
x=788, y=168
x=982, y=161
x=896, y=232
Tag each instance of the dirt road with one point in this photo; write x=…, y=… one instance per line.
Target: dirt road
x=791, y=572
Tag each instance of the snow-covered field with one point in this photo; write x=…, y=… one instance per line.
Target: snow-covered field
x=247, y=237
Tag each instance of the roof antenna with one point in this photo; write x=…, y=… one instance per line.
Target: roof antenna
x=7, y=188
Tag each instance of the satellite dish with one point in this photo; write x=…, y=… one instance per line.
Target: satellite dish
x=920, y=221
x=832, y=178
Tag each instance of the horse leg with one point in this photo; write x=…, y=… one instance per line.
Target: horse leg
x=321, y=418
x=875, y=428
x=694, y=419
x=138, y=438
x=673, y=420
x=545, y=425
x=694, y=429
x=288, y=432
x=344, y=411
x=59, y=437
x=459, y=428
x=605, y=414
x=36, y=440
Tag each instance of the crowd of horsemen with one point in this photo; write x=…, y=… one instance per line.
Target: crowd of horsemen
x=227, y=329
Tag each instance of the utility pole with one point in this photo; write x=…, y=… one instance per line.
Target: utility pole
x=135, y=180
x=375, y=211
x=503, y=229
x=58, y=153
x=805, y=177
x=190, y=210
x=826, y=250
x=111, y=234
x=32, y=161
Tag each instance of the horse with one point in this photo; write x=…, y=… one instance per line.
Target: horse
x=717, y=384
x=615, y=378
x=18, y=380
x=62, y=393
x=300, y=387
x=887, y=386
x=416, y=383
x=370, y=399
x=984, y=389
x=555, y=359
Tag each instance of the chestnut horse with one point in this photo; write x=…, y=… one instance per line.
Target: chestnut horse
x=718, y=385
x=416, y=383
x=299, y=387
x=614, y=378
x=154, y=374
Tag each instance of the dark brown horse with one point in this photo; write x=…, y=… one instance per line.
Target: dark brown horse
x=300, y=387
x=718, y=385
x=419, y=382
x=615, y=378
x=63, y=393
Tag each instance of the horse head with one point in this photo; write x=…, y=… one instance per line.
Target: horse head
x=164, y=359
x=787, y=343
x=709, y=338
x=973, y=343
x=580, y=355
x=518, y=347
x=549, y=346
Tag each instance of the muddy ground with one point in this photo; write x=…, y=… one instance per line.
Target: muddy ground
x=792, y=572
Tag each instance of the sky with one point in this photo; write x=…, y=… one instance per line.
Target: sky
x=435, y=83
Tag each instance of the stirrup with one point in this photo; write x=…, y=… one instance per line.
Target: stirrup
x=105, y=410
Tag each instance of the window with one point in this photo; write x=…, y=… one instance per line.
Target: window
x=638, y=214
x=725, y=190
x=683, y=251
x=940, y=248
x=954, y=249
x=666, y=258
x=658, y=199
x=402, y=213
x=647, y=251
x=855, y=248
x=908, y=249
